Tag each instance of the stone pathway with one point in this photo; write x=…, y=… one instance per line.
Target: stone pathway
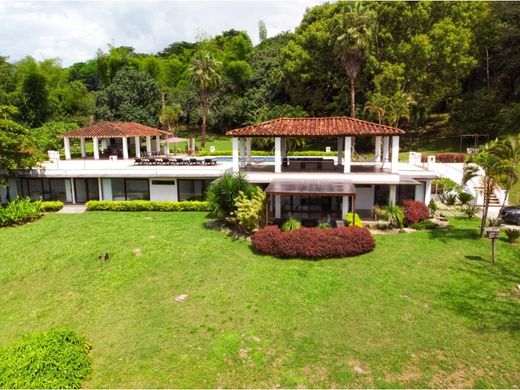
x=73, y=209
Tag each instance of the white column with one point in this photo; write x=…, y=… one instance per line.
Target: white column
x=236, y=167
x=82, y=146
x=125, y=147
x=392, y=196
x=278, y=206
x=242, y=155
x=104, y=143
x=345, y=206
x=248, y=149
x=95, y=141
x=386, y=149
x=137, y=146
x=378, y=149
x=66, y=143
x=72, y=190
x=395, y=153
x=148, y=144
x=100, y=189
x=340, y=151
x=166, y=148
x=277, y=155
x=428, y=191
x=158, y=144
x=348, y=155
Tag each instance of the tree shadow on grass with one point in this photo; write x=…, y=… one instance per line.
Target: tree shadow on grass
x=452, y=233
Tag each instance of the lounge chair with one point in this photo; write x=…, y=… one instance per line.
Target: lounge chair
x=194, y=161
x=138, y=161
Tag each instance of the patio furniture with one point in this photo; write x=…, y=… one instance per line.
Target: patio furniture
x=210, y=161
x=194, y=161
x=138, y=161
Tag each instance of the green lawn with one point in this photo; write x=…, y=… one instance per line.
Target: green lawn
x=423, y=310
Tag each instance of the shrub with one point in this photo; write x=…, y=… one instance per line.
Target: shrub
x=378, y=213
x=49, y=206
x=432, y=205
x=20, y=211
x=464, y=197
x=494, y=222
x=313, y=243
x=469, y=210
x=222, y=193
x=54, y=359
x=394, y=215
x=145, y=205
x=512, y=235
x=445, y=185
x=250, y=211
x=449, y=198
x=414, y=211
x=349, y=219
x=324, y=225
x=448, y=157
x=291, y=224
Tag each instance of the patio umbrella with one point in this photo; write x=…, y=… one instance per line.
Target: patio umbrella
x=174, y=141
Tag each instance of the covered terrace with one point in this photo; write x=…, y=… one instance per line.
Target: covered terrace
x=116, y=138
x=343, y=129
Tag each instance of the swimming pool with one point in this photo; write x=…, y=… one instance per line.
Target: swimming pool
x=229, y=159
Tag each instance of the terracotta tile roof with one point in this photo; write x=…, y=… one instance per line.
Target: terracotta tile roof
x=114, y=130
x=315, y=127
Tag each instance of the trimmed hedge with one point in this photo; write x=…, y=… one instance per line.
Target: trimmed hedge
x=57, y=359
x=448, y=157
x=414, y=211
x=145, y=205
x=20, y=211
x=313, y=243
x=49, y=206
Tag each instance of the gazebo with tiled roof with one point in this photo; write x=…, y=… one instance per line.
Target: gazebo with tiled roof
x=110, y=130
x=341, y=127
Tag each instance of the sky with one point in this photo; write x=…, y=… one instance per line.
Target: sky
x=74, y=30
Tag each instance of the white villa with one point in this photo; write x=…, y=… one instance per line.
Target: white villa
x=131, y=161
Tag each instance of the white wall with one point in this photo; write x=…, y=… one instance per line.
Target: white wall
x=163, y=191
x=364, y=197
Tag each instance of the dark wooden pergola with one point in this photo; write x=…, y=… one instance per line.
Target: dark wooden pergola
x=312, y=187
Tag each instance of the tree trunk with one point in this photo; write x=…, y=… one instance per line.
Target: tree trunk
x=487, y=69
x=163, y=104
x=485, y=209
x=506, y=194
x=353, y=97
x=203, y=127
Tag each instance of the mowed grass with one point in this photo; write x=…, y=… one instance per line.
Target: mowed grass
x=425, y=309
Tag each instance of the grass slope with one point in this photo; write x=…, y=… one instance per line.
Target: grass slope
x=423, y=310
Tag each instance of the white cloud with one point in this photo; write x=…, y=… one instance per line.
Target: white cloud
x=74, y=30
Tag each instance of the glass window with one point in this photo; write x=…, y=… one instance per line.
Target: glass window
x=118, y=189
x=405, y=192
x=137, y=189
x=58, y=190
x=193, y=189
x=35, y=189
x=382, y=195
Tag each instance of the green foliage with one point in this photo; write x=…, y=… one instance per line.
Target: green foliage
x=249, y=211
x=469, y=210
x=424, y=225
x=324, y=225
x=132, y=96
x=464, y=197
x=512, y=235
x=494, y=222
x=53, y=359
x=46, y=136
x=146, y=205
x=291, y=224
x=50, y=206
x=350, y=217
x=222, y=193
x=432, y=205
x=394, y=215
x=449, y=198
x=446, y=184
x=20, y=211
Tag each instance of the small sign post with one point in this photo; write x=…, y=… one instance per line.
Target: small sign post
x=492, y=233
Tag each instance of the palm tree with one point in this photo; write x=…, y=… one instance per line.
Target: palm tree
x=170, y=115
x=205, y=74
x=355, y=30
x=492, y=168
x=376, y=105
x=399, y=108
x=509, y=150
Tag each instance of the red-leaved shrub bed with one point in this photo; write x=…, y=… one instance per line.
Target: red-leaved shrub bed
x=313, y=243
x=414, y=211
x=447, y=157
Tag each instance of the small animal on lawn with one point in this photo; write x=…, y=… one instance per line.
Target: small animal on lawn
x=104, y=256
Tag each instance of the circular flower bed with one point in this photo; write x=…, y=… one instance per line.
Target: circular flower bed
x=313, y=243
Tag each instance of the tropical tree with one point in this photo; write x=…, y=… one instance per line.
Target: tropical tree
x=376, y=105
x=509, y=150
x=170, y=115
x=355, y=29
x=205, y=74
x=487, y=164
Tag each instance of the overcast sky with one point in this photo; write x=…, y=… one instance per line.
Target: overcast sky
x=73, y=30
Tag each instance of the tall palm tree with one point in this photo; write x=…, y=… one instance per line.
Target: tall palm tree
x=492, y=168
x=509, y=150
x=205, y=74
x=355, y=29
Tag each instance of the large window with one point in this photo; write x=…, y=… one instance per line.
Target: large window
x=86, y=189
x=193, y=189
x=304, y=207
x=126, y=189
x=44, y=189
x=405, y=192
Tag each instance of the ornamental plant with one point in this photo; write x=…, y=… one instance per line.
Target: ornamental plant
x=222, y=193
x=291, y=224
x=512, y=235
x=249, y=211
x=349, y=218
x=20, y=211
x=414, y=211
x=394, y=215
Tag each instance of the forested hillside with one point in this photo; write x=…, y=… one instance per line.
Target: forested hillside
x=399, y=63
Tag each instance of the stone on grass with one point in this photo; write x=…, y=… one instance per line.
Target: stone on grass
x=181, y=298
x=137, y=252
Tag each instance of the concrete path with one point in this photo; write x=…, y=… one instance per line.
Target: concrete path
x=73, y=209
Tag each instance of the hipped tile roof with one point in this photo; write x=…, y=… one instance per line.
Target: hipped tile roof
x=114, y=130
x=315, y=127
